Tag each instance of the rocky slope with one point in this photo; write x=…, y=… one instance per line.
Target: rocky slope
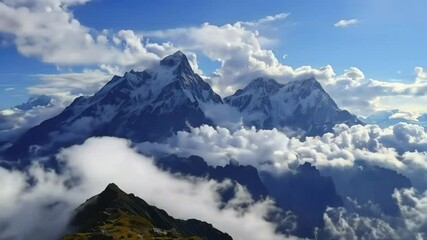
x=113, y=214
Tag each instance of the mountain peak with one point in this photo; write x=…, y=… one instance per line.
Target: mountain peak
x=178, y=53
x=179, y=62
x=111, y=193
x=174, y=59
x=262, y=86
x=113, y=188
x=307, y=82
x=138, y=106
x=267, y=83
x=308, y=87
x=299, y=104
x=310, y=79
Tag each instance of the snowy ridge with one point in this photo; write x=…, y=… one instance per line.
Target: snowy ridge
x=141, y=106
x=154, y=104
x=160, y=90
x=302, y=104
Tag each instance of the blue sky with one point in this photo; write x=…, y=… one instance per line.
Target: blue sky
x=387, y=42
x=389, y=37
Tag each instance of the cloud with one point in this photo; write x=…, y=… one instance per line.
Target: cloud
x=45, y=205
x=243, y=58
x=265, y=20
x=339, y=224
x=413, y=206
x=264, y=149
x=9, y=89
x=232, y=121
x=346, y=23
x=67, y=86
x=400, y=147
x=387, y=118
x=51, y=197
x=412, y=224
x=14, y=121
x=240, y=52
x=49, y=31
x=407, y=116
x=362, y=96
x=421, y=75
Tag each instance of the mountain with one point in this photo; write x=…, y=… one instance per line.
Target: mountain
x=300, y=104
x=141, y=106
x=370, y=184
x=113, y=214
x=387, y=118
x=17, y=120
x=246, y=176
x=37, y=101
x=156, y=103
x=423, y=118
x=306, y=193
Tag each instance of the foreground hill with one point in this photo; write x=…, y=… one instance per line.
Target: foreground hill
x=113, y=214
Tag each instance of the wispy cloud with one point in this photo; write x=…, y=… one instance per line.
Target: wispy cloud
x=267, y=19
x=347, y=22
x=9, y=89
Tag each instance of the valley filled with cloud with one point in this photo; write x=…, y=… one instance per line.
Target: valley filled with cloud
x=262, y=147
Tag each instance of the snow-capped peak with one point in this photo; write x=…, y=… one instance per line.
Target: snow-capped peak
x=37, y=101
x=269, y=85
x=303, y=104
x=178, y=61
x=142, y=106
x=173, y=80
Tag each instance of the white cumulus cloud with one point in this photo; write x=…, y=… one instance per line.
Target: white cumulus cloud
x=400, y=147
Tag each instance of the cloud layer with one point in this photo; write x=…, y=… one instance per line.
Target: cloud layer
x=412, y=224
x=39, y=193
x=42, y=200
x=401, y=147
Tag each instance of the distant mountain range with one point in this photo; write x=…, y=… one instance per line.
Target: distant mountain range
x=387, y=118
x=307, y=192
x=37, y=101
x=114, y=214
x=154, y=104
x=17, y=120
